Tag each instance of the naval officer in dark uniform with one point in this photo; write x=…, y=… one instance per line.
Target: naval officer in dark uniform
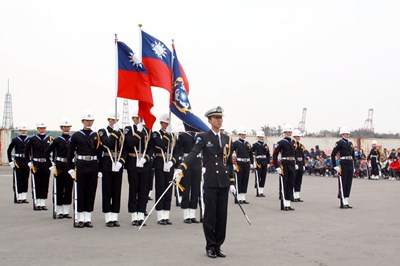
x=346, y=166
x=218, y=180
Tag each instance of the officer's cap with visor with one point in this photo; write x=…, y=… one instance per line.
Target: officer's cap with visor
x=217, y=111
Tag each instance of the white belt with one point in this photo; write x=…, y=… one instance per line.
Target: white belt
x=243, y=160
x=19, y=155
x=374, y=156
x=64, y=160
x=288, y=158
x=186, y=154
x=261, y=156
x=87, y=157
x=299, y=159
x=40, y=160
x=346, y=158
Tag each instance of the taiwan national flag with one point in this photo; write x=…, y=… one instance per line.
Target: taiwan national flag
x=158, y=61
x=133, y=82
x=180, y=105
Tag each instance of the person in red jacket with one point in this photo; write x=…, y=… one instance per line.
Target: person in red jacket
x=394, y=168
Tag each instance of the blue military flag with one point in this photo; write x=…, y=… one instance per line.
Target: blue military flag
x=180, y=105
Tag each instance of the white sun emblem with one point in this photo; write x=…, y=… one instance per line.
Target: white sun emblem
x=135, y=60
x=159, y=49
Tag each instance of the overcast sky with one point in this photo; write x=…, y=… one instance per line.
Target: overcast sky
x=263, y=61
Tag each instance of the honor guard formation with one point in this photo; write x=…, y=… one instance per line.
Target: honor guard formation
x=203, y=168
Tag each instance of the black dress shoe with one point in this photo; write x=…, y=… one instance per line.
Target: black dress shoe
x=88, y=224
x=140, y=222
x=18, y=202
x=220, y=253
x=343, y=206
x=37, y=208
x=44, y=208
x=135, y=223
x=195, y=221
x=349, y=207
x=67, y=216
x=162, y=222
x=290, y=208
x=245, y=202
x=262, y=195
x=211, y=253
x=187, y=221
x=80, y=225
x=24, y=201
x=116, y=223
x=109, y=224
x=60, y=216
x=168, y=221
x=300, y=200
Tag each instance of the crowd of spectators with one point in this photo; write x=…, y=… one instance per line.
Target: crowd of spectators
x=318, y=163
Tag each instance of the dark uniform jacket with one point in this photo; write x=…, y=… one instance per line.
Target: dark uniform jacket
x=36, y=147
x=134, y=138
x=84, y=142
x=374, y=154
x=261, y=150
x=243, y=150
x=112, y=141
x=216, y=160
x=18, y=144
x=286, y=146
x=184, y=145
x=299, y=150
x=59, y=148
x=162, y=141
x=346, y=149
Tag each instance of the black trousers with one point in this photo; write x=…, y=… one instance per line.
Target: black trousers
x=42, y=177
x=87, y=185
x=215, y=216
x=347, y=170
x=191, y=182
x=298, y=179
x=138, y=190
x=288, y=177
x=243, y=176
x=162, y=182
x=22, y=173
x=111, y=188
x=64, y=184
x=262, y=175
x=374, y=167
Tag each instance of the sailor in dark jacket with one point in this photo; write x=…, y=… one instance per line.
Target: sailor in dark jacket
x=286, y=168
x=218, y=180
x=262, y=157
x=346, y=169
x=19, y=164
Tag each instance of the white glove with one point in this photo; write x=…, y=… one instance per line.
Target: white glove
x=117, y=167
x=116, y=127
x=203, y=170
x=142, y=161
x=304, y=167
x=253, y=166
x=139, y=127
x=337, y=168
x=296, y=167
x=99, y=174
x=30, y=164
x=279, y=170
x=168, y=129
x=52, y=163
x=267, y=165
x=232, y=189
x=178, y=175
x=12, y=165
x=72, y=173
x=51, y=168
x=170, y=164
